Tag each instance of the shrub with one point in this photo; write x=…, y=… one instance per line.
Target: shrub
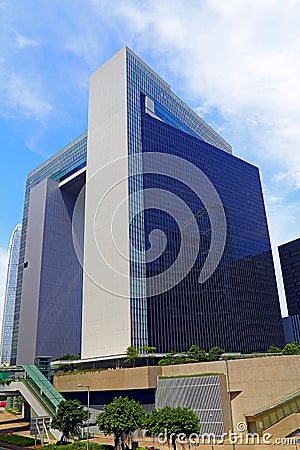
x=291, y=349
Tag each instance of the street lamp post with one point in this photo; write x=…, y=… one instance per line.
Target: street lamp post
x=88, y=411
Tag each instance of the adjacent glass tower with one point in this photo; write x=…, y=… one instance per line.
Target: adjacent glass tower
x=139, y=288
x=47, y=316
x=289, y=254
x=237, y=307
x=168, y=229
x=10, y=295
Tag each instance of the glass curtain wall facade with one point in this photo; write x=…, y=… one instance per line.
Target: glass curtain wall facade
x=61, y=165
x=237, y=308
x=289, y=254
x=142, y=79
x=10, y=295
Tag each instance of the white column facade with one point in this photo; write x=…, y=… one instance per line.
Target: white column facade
x=32, y=275
x=106, y=314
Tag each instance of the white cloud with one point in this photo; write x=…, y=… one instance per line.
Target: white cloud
x=284, y=217
x=89, y=48
x=23, y=92
x=23, y=41
x=25, y=96
x=290, y=177
x=235, y=62
x=241, y=60
x=4, y=4
x=241, y=57
x=22, y=95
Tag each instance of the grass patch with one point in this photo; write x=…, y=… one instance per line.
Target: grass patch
x=79, y=446
x=6, y=381
x=209, y=374
x=78, y=372
x=14, y=411
x=21, y=441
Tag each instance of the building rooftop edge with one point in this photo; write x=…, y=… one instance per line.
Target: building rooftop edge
x=289, y=242
x=128, y=50
x=58, y=153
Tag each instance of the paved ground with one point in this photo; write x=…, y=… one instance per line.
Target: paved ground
x=11, y=422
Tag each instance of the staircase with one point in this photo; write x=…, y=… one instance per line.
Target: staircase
x=42, y=388
x=38, y=392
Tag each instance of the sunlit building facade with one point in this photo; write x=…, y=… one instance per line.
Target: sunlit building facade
x=289, y=254
x=9, y=296
x=48, y=305
x=170, y=231
x=154, y=166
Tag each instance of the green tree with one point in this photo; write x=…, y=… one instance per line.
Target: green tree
x=132, y=354
x=121, y=417
x=274, y=349
x=215, y=353
x=171, y=422
x=69, y=416
x=148, y=352
x=68, y=367
x=196, y=354
x=291, y=349
x=171, y=359
x=68, y=357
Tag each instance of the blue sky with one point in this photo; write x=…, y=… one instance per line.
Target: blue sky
x=236, y=62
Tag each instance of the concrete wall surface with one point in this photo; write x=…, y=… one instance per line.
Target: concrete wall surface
x=107, y=380
x=255, y=383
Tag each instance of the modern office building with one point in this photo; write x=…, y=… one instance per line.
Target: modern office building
x=170, y=228
x=47, y=318
x=9, y=296
x=289, y=255
x=291, y=326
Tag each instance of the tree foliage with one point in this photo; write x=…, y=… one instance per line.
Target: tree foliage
x=172, y=358
x=197, y=354
x=291, y=349
x=121, y=417
x=147, y=349
x=69, y=416
x=68, y=367
x=194, y=354
x=68, y=357
x=215, y=353
x=274, y=349
x=172, y=422
x=147, y=352
x=132, y=354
